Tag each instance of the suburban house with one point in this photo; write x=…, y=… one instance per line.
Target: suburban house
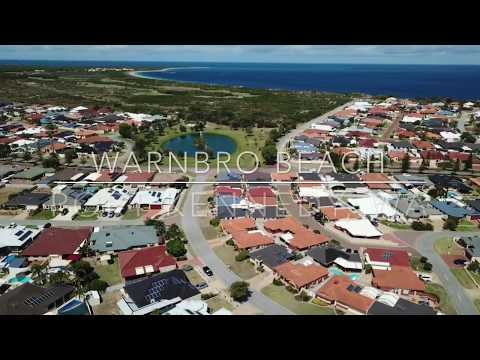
x=155, y=199
x=471, y=245
x=300, y=276
x=345, y=295
x=328, y=256
x=158, y=292
x=30, y=201
x=361, y=228
x=16, y=237
x=29, y=299
x=30, y=175
x=385, y=259
x=109, y=200
x=401, y=280
x=118, y=238
x=146, y=261
x=271, y=256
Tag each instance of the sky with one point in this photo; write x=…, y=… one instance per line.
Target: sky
x=369, y=54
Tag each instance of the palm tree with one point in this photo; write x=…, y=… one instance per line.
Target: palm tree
x=39, y=273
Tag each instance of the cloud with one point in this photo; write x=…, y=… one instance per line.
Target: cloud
x=445, y=54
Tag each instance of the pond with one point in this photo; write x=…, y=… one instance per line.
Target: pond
x=192, y=143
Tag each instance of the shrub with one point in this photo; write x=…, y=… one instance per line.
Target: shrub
x=474, y=266
x=298, y=256
x=98, y=285
x=207, y=296
x=423, y=259
x=277, y=282
x=261, y=269
x=420, y=226
x=181, y=258
x=230, y=242
x=302, y=296
x=239, y=291
x=176, y=248
x=450, y=224
x=242, y=255
x=427, y=266
x=214, y=222
x=368, y=269
x=291, y=289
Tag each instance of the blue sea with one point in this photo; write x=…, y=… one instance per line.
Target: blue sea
x=460, y=82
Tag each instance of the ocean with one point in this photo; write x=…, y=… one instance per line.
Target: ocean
x=461, y=82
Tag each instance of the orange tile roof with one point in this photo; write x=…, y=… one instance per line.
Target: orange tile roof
x=283, y=176
x=336, y=289
x=376, y=177
x=333, y=213
x=301, y=275
x=424, y=145
x=263, y=200
x=399, y=277
x=246, y=240
x=475, y=181
x=235, y=225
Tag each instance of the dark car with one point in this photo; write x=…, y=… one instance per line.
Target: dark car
x=64, y=211
x=47, y=225
x=207, y=271
x=201, y=285
x=461, y=262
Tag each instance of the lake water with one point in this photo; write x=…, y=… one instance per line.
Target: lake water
x=188, y=143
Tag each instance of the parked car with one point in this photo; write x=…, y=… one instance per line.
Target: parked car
x=207, y=271
x=64, y=211
x=187, y=267
x=201, y=285
x=47, y=225
x=461, y=262
x=425, y=277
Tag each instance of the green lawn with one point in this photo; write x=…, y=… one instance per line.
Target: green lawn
x=280, y=295
x=194, y=277
x=445, y=304
x=133, y=214
x=395, y=225
x=447, y=246
x=244, y=269
x=43, y=215
x=477, y=304
x=417, y=265
x=109, y=272
x=463, y=278
x=86, y=216
x=217, y=302
x=465, y=225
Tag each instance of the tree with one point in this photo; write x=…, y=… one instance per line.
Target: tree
x=183, y=128
x=86, y=251
x=468, y=137
x=27, y=156
x=214, y=222
x=70, y=154
x=474, y=266
x=39, y=273
x=51, y=161
x=159, y=226
x=60, y=277
x=242, y=255
x=450, y=224
x=4, y=150
x=125, y=131
x=427, y=266
x=176, y=248
x=269, y=153
x=406, y=163
x=139, y=147
x=174, y=233
x=98, y=285
x=239, y=291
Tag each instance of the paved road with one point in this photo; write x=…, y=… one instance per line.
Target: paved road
x=393, y=126
x=207, y=255
x=72, y=223
x=425, y=246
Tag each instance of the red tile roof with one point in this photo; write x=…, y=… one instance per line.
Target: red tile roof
x=301, y=275
x=95, y=139
x=336, y=290
x=57, y=241
x=423, y=145
x=283, y=176
x=139, y=177
x=398, y=278
x=226, y=190
x=377, y=178
x=454, y=155
x=333, y=213
x=397, y=154
x=235, y=225
x=246, y=240
x=156, y=256
x=432, y=155
x=261, y=191
x=394, y=257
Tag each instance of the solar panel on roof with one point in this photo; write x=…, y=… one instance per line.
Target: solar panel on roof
x=26, y=235
x=357, y=289
x=350, y=287
x=18, y=233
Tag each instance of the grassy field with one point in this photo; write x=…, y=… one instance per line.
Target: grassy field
x=244, y=269
x=465, y=225
x=477, y=304
x=463, y=278
x=109, y=272
x=280, y=295
x=217, y=302
x=395, y=225
x=43, y=215
x=194, y=277
x=445, y=303
x=133, y=214
x=6, y=192
x=447, y=246
x=86, y=216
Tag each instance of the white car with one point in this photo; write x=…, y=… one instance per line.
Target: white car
x=425, y=277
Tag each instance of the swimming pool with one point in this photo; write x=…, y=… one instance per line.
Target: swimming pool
x=22, y=280
x=337, y=272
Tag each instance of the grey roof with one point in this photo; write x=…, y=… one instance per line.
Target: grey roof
x=326, y=255
x=32, y=173
x=414, y=178
x=68, y=197
x=413, y=209
x=402, y=307
x=344, y=177
x=227, y=212
x=475, y=204
x=6, y=170
x=451, y=209
x=66, y=175
x=165, y=286
x=401, y=144
x=28, y=199
x=29, y=299
x=321, y=201
x=123, y=237
x=268, y=212
x=310, y=176
x=272, y=256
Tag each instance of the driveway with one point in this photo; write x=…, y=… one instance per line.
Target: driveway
x=202, y=250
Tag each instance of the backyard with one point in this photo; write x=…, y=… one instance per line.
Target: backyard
x=285, y=298
x=465, y=225
x=109, y=272
x=244, y=269
x=43, y=215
